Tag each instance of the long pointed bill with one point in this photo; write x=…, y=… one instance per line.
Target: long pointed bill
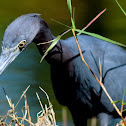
x=7, y=56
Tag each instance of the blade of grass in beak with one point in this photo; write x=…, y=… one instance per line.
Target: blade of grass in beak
x=121, y=7
x=100, y=37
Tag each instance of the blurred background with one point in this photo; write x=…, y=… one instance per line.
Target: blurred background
x=27, y=70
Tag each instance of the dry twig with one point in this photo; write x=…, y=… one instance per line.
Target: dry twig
x=46, y=117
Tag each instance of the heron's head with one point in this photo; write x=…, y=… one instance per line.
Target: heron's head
x=18, y=35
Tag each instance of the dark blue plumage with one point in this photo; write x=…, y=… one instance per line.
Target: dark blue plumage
x=73, y=83
x=76, y=87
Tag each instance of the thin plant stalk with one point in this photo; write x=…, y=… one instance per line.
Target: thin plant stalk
x=94, y=19
x=101, y=84
x=100, y=71
x=121, y=7
x=22, y=95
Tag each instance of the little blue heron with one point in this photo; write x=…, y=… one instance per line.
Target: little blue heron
x=73, y=84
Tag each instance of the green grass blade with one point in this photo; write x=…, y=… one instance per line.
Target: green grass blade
x=123, y=97
x=69, y=6
x=51, y=46
x=115, y=102
x=100, y=37
x=124, y=103
x=61, y=23
x=73, y=19
x=74, y=15
x=121, y=7
x=54, y=43
x=73, y=23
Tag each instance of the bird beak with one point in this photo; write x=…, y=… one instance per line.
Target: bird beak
x=7, y=56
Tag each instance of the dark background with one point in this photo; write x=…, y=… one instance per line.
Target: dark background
x=26, y=69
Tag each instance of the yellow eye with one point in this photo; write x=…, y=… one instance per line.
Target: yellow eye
x=22, y=44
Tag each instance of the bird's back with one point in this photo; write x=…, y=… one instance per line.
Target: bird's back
x=113, y=66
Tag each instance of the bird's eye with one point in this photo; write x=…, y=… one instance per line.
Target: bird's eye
x=21, y=44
